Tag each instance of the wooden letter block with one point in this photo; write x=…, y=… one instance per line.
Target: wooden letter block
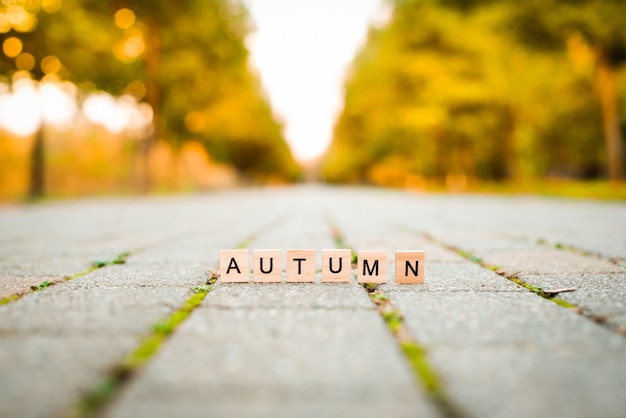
x=234, y=266
x=336, y=266
x=372, y=267
x=268, y=266
x=301, y=265
x=409, y=266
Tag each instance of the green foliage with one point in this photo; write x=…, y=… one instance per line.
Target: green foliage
x=447, y=92
x=187, y=59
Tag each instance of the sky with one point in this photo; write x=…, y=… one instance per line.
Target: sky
x=302, y=49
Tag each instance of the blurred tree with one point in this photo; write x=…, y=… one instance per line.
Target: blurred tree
x=598, y=24
x=184, y=58
x=440, y=93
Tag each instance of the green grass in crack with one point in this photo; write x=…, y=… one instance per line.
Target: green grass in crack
x=41, y=286
x=9, y=299
x=419, y=362
x=94, y=400
x=393, y=318
x=120, y=259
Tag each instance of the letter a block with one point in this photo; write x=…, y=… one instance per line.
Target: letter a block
x=409, y=266
x=234, y=266
x=300, y=266
x=336, y=266
x=372, y=267
x=268, y=266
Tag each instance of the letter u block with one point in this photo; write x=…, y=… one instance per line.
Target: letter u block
x=268, y=266
x=410, y=267
x=336, y=266
x=234, y=266
x=372, y=267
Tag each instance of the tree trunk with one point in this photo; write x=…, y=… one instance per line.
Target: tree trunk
x=606, y=83
x=37, y=163
x=144, y=178
x=152, y=66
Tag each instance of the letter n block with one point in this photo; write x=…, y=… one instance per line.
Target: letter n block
x=300, y=266
x=268, y=266
x=372, y=267
x=336, y=266
x=409, y=266
x=234, y=266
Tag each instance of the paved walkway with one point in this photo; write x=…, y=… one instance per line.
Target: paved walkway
x=523, y=312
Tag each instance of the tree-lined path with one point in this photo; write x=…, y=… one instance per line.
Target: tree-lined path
x=110, y=307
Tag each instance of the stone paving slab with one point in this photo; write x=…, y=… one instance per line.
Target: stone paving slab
x=454, y=277
x=71, y=311
x=145, y=275
x=277, y=363
x=42, y=375
x=601, y=295
x=104, y=314
x=63, y=326
x=549, y=261
x=290, y=296
x=532, y=357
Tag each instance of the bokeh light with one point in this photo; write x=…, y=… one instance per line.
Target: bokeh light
x=118, y=115
x=25, y=61
x=124, y=18
x=19, y=110
x=12, y=47
x=131, y=47
x=50, y=65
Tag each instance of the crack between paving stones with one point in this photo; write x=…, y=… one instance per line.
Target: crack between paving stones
x=617, y=261
x=95, y=265
x=537, y=290
x=414, y=353
x=95, y=401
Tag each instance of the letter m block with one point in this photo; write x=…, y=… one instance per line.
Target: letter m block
x=372, y=267
x=234, y=266
x=410, y=267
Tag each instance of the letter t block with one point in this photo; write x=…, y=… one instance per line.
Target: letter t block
x=410, y=267
x=300, y=266
x=372, y=267
x=234, y=266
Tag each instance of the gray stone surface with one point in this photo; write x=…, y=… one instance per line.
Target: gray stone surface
x=549, y=261
x=290, y=296
x=601, y=295
x=281, y=349
x=277, y=363
x=63, y=310
x=455, y=277
x=140, y=274
x=532, y=357
x=314, y=349
x=42, y=375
